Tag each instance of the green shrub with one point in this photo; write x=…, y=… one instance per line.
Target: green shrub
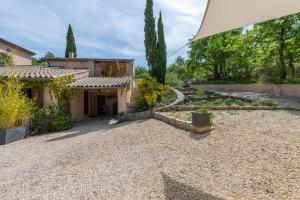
x=255, y=103
x=239, y=103
x=202, y=103
x=149, y=93
x=121, y=114
x=267, y=102
x=201, y=110
x=62, y=123
x=200, y=92
x=49, y=119
x=168, y=97
x=218, y=102
x=173, y=80
x=15, y=107
x=228, y=102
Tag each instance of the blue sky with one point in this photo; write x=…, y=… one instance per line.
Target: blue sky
x=102, y=28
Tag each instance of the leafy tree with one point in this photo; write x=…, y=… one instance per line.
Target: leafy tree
x=150, y=38
x=161, y=52
x=49, y=55
x=6, y=59
x=42, y=60
x=213, y=55
x=70, y=46
x=279, y=38
x=268, y=52
x=140, y=72
x=179, y=68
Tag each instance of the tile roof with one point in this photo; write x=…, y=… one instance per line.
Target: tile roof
x=90, y=59
x=16, y=46
x=37, y=72
x=101, y=82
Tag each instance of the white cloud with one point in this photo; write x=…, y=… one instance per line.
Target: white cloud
x=187, y=7
x=102, y=28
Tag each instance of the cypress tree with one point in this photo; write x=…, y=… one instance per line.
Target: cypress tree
x=150, y=38
x=70, y=46
x=161, y=51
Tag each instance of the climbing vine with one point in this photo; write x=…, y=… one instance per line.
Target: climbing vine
x=59, y=86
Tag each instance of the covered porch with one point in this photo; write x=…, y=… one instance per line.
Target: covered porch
x=100, y=97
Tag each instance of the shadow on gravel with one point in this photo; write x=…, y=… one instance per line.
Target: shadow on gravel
x=175, y=190
x=89, y=128
x=197, y=136
x=293, y=112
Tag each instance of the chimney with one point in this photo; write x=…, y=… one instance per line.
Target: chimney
x=71, y=54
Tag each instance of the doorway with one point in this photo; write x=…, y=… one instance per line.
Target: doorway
x=101, y=104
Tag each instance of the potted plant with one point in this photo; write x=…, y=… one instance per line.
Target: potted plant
x=15, y=111
x=201, y=118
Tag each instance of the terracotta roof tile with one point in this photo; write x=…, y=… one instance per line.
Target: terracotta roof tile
x=101, y=82
x=90, y=59
x=37, y=72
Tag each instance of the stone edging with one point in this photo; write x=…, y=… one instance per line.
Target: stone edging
x=179, y=99
x=181, y=124
x=194, y=107
x=149, y=114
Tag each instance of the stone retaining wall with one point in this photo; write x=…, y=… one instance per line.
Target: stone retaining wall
x=291, y=90
x=181, y=124
x=136, y=116
x=149, y=114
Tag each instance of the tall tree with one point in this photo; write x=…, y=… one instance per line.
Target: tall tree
x=279, y=37
x=217, y=55
x=150, y=37
x=161, y=51
x=70, y=46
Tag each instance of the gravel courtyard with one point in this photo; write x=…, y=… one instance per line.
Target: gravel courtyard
x=249, y=155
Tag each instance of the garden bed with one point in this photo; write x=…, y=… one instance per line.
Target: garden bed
x=204, y=98
x=168, y=97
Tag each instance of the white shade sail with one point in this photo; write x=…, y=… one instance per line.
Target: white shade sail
x=225, y=15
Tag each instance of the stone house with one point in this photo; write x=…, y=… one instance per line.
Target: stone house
x=92, y=96
x=21, y=55
x=102, y=86
x=106, y=91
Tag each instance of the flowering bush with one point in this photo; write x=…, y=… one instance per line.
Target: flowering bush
x=149, y=92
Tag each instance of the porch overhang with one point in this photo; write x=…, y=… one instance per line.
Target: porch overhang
x=101, y=83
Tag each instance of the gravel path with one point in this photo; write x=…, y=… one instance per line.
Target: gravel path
x=292, y=102
x=250, y=155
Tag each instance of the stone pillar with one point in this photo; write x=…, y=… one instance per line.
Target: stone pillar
x=122, y=100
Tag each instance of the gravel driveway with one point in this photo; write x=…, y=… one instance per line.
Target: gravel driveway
x=250, y=155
